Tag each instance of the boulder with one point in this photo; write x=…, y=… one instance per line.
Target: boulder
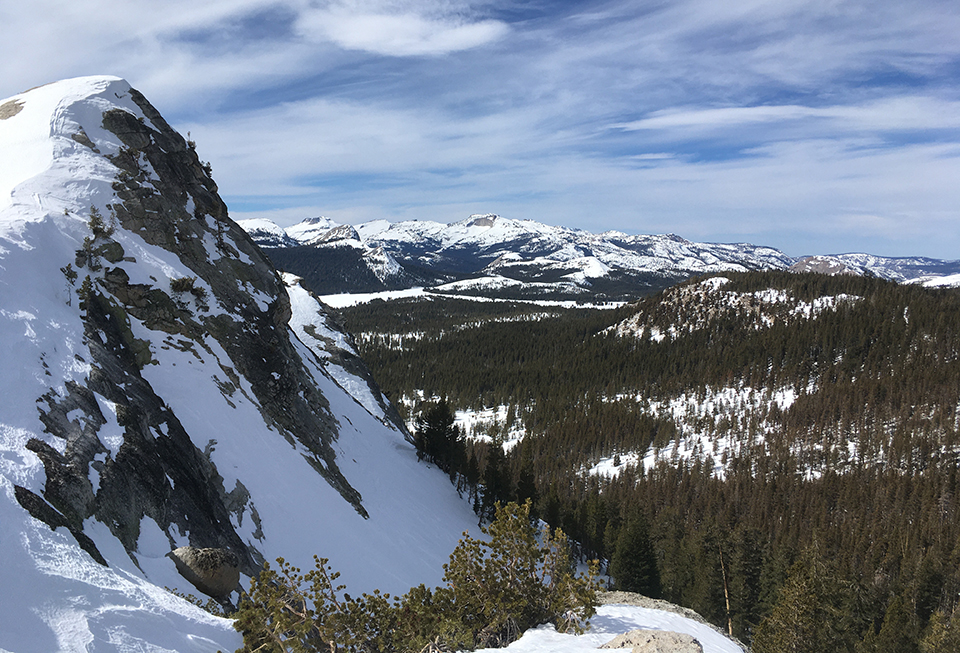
x=215, y=572
x=656, y=641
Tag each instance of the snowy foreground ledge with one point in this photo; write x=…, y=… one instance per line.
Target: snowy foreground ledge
x=613, y=620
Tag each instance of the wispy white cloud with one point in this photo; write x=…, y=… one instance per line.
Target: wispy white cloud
x=809, y=195
x=293, y=145
x=45, y=40
x=904, y=113
x=182, y=51
x=396, y=31
x=805, y=124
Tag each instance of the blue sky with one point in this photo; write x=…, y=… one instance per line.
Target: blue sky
x=812, y=126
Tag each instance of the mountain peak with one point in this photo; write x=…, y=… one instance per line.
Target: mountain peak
x=825, y=265
x=164, y=387
x=321, y=220
x=60, y=122
x=482, y=220
x=310, y=230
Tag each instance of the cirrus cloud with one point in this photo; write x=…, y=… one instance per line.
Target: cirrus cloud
x=397, y=33
x=809, y=125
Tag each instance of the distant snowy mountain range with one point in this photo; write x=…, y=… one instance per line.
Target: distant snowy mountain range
x=488, y=255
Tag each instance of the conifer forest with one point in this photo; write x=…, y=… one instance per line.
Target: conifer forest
x=825, y=522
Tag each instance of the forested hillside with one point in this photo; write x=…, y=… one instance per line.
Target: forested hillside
x=762, y=440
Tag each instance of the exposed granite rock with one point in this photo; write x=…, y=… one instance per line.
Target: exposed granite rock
x=165, y=195
x=655, y=641
x=157, y=472
x=40, y=509
x=10, y=109
x=825, y=265
x=256, y=339
x=212, y=571
x=632, y=598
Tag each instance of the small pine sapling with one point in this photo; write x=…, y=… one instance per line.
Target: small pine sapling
x=494, y=592
x=71, y=276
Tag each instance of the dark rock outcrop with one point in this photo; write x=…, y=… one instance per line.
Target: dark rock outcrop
x=166, y=196
x=212, y=571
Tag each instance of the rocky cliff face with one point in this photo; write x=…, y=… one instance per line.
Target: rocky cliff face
x=161, y=390
x=234, y=298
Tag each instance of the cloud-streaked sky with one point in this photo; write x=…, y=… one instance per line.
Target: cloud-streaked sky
x=814, y=126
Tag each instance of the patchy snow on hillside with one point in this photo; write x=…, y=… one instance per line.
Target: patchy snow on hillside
x=490, y=423
x=495, y=282
x=611, y=466
x=713, y=423
x=381, y=263
x=694, y=306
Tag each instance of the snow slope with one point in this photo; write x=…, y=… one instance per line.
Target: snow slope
x=612, y=620
x=55, y=596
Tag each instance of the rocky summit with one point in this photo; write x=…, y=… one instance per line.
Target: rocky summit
x=164, y=387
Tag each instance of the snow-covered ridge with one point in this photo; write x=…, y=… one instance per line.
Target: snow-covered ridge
x=156, y=378
x=311, y=231
x=909, y=269
x=610, y=265
x=267, y=233
x=490, y=237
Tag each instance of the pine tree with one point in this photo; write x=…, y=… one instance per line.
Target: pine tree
x=496, y=484
x=439, y=440
x=898, y=634
x=746, y=565
x=807, y=617
x=526, y=482
x=943, y=633
x=516, y=579
x=634, y=562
